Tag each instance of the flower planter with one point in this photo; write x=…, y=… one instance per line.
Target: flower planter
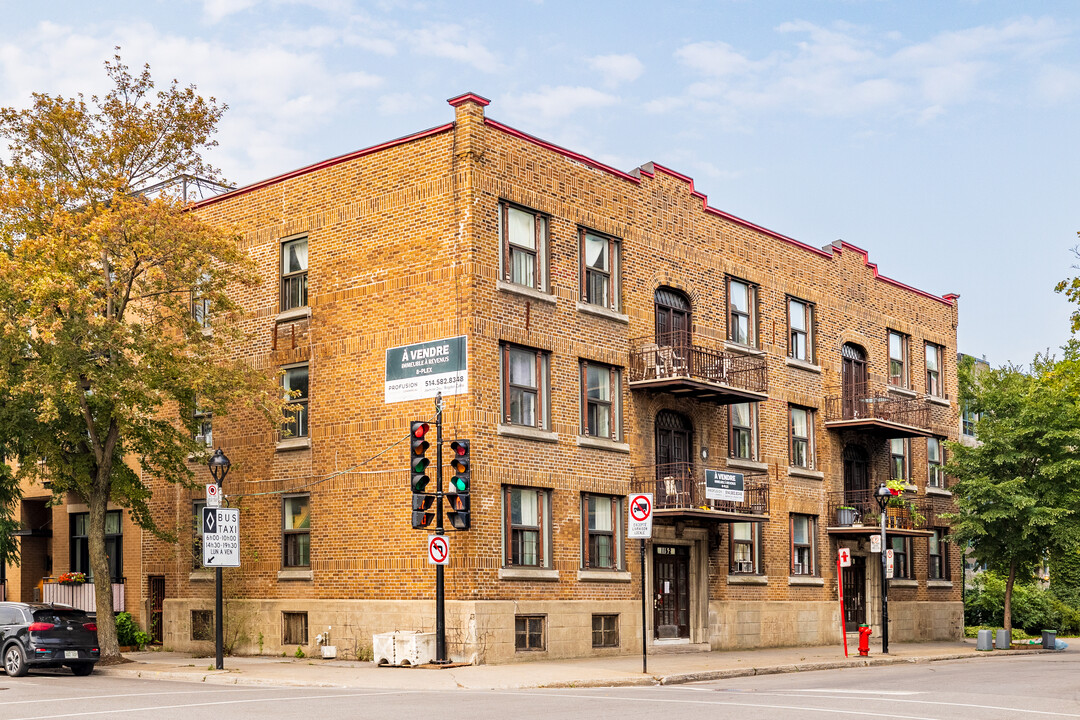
x=845, y=516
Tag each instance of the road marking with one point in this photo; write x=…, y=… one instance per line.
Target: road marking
x=122, y=695
x=205, y=704
x=862, y=692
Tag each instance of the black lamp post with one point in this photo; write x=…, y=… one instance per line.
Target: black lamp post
x=219, y=468
x=882, y=496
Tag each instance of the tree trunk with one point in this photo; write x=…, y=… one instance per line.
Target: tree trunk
x=99, y=566
x=1008, y=595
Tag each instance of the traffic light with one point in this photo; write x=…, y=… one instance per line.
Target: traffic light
x=457, y=493
x=422, y=513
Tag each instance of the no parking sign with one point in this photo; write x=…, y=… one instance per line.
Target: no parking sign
x=640, y=521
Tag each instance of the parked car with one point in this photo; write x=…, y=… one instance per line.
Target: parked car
x=46, y=635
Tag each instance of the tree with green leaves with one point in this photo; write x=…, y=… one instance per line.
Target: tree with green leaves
x=1016, y=492
x=103, y=357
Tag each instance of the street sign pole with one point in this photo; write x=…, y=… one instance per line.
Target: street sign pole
x=440, y=599
x=840, y=592
x=644, y=645
x=884, y=591
x=639, y=525
x=219, y=625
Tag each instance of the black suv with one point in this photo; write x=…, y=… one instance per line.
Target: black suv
x=39, y=635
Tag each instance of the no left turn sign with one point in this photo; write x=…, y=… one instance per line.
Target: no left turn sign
x=438, y=550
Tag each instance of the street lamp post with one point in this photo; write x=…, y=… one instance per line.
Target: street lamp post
x=882, y=496
x=219, y=468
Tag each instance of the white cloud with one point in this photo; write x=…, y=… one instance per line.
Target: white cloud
x=447, y=41
x=617, y=69
x=553, y=103
x=1056, y=84
x=214, y=11
x=399, y=103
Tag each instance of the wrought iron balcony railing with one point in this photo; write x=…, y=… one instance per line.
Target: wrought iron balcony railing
x=681, y=486
x=860, y=405
x=852, y=509
x=664, y=360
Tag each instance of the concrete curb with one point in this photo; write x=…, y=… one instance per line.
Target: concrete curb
x=210, y=677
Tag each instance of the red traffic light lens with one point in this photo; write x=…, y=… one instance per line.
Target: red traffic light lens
x=420, y=429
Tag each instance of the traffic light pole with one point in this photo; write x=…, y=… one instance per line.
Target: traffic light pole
x=440, y=598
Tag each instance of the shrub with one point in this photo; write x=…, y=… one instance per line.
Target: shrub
x=128, y=633
x=1033, y=607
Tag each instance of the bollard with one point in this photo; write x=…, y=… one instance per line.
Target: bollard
x=985, y=641
x=1004, y=639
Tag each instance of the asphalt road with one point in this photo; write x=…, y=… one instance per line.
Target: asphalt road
x=1035, y=687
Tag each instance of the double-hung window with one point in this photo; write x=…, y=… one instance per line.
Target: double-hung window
x=294, y=266
x=742, y=439
x=295, y=383
x=601, y=401
x=742, y=312
x=601, y=543
x=935, y=477
x=114, y=544
x=802, y=437
x=938, y=555
x=934, y=385
x=803, y=550
x=898, y=459
x=204, y=426
x=898, y=359
x=968, y=418
x=800, y=330
x=200, y=306
x=901, y=547
x=745, y=544
x=600, y=270
x=527, y=534
x=524, y=246
x=296, y=531
x=525, y=386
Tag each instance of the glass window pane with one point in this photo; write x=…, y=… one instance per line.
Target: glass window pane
x=112, y=523
x=295, y=256
x=742, y=531
x=739, y=293
x=523, y=268
x=296, y=379
x=522, y=368
x=522, y=407
x=82, y=520
x=798, y=423
x=934, y=543
x=523, y=507
x=600, y=513
x=596, y=252
x=522, y=229
x=896, y=346
x=599, y=383
x=800, y=531
x=797, y=312
x=297, y=516
x=740, y=414
x=933, y=450
x=896, y=446
x=931, y=357
x=598, y=289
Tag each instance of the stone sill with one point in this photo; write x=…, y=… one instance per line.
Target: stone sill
x=299, y=443
x=516, y=573
x=201, y=576
x=804, y=473
x=902, y=391
x=802, y=365
x=603, y=444
x=294, y=314
x=911, y=487
x=743, y=349
x=806, y=580
x=295, y=575
x=528, y=433
x=746, y=464
x=525, y=291
x=615, y=576
x=903, y=583
x=603, y=312
x=747, y=579
x=944, y=402
x=932, y=490
x=939, y=584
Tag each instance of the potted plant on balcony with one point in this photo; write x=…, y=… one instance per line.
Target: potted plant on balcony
x=846, y=515
x=900, y=508
x=72, y=578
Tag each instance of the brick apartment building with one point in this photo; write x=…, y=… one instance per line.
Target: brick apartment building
x=621, y=336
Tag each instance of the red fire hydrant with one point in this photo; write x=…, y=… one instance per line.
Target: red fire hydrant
x=864, y=639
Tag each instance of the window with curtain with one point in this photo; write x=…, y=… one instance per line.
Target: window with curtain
x=294, y=269
x=524, y=246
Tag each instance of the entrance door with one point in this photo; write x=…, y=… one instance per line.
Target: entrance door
x=855, y=593
x=674, y=483
x=672, y=318
x=671, y=591
x=157, y=608
x=853, y=379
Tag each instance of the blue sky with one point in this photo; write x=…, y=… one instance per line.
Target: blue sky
x=939, y=136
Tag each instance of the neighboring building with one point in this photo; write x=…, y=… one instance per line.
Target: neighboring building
x=622, y=336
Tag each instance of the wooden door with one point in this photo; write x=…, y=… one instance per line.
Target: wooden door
x=856, y=474
x=855, y=593
x=853, y=378
x=673, y=322
x=157, y=608
x=671, y=591
x=673, y=467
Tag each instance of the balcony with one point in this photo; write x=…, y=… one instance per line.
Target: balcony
x=856, y=513
x=887, y=416
x=678, y=489
x=80, y=596
x=683, y=364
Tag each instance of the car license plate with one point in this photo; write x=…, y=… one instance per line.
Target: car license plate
x=71, y=654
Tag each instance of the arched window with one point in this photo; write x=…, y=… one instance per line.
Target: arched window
x=673, y=317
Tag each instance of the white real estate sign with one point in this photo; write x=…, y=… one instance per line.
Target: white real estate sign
x=424, y=370
x=221, y=537
x=720, y=485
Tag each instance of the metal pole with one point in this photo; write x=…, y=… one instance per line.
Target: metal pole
x=644, y=639
x=219, y=631
x=440, y=599
x=884, y=591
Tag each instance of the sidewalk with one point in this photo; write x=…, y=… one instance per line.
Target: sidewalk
x=621, y=670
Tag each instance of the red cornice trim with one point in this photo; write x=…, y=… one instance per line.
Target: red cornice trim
x=479, y=100
x=323, y=165
x=561, y=150
x=842, y=245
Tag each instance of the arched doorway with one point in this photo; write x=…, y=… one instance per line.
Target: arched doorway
x=853, y=378
x=673, y=318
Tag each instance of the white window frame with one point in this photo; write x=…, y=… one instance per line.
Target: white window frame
x=510, y=249
x=612, y=296
x=807, y=332
x=613, y=404
x=808, y=439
